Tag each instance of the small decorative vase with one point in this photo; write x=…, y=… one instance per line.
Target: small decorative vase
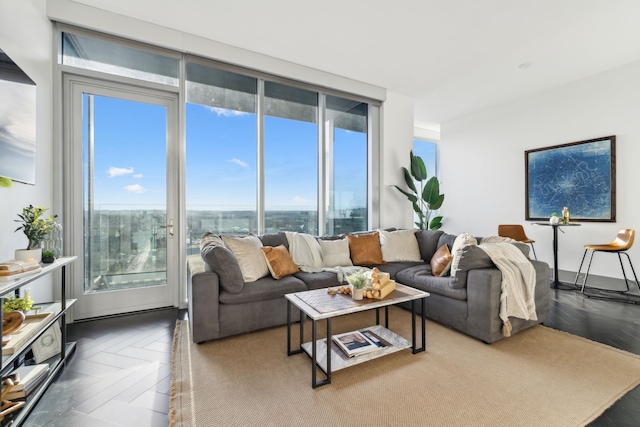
x=357, y=293
x=554, y=220
x=25, y=254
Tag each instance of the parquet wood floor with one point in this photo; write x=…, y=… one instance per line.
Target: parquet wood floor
x=120, y=374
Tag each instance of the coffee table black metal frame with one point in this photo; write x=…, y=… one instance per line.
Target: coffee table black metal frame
x=314, y=347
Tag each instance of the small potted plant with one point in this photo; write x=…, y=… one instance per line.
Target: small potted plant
x=14, y=303
x=35, y=228
x=358, y=282
x=553, y=220
x=48, y=257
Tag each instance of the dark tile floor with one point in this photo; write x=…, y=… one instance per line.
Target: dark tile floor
x=120, y=374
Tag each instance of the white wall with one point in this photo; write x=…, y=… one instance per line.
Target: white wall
x=25, y=35
x=483, y=173
x=397, y=142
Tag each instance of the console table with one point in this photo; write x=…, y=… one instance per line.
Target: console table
x=59, y=309
x=556, y=283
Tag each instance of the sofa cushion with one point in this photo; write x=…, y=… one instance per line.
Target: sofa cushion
x=393, y=267
x=264, y=289
x=250, y=258
x=428, y=242
x=335, y=253
x=421, y=277
x=399, y=245
x=274, y=239
x=318, y=280
x=441, y=261
x=469, y=257
x=279, y=261
x=365, y=248
x=221, y=261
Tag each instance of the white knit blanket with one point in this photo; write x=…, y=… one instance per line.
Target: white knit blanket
x=306, y=253
x=517, y=296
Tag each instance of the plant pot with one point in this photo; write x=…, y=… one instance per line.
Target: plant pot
x=357, y=294
x=48, y=260
x=26, y=254
x=554, y=220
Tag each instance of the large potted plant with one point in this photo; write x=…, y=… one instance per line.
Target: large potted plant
x=427, y=200
x=35, y=228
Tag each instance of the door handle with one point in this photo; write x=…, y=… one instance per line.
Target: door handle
x=169, y=228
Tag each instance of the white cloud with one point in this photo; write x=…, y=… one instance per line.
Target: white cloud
x=114, y=171
x=135, y=188
x=300, y=200
x=137, y=176
x=239, y=163
x=226, y=113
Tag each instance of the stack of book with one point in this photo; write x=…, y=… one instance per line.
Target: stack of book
x=359, y=342
x=26, y=379
x=14, y=269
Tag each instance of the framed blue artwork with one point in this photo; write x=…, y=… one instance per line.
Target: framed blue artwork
x=580, y=175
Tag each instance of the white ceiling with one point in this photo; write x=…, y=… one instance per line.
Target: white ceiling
x=452, y=56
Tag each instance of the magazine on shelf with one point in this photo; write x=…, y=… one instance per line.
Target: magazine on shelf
x=358, y=342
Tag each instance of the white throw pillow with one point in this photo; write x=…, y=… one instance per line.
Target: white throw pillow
x=461, y=241
x=399, y=245
x=335, y=253
x=250, y=258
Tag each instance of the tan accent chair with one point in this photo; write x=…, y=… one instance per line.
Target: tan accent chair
x=622, y=242
x=516, y=232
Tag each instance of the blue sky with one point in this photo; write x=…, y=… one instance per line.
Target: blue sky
x=130, y=159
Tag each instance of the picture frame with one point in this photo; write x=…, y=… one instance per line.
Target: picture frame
x=580, y=176
x=48, y=345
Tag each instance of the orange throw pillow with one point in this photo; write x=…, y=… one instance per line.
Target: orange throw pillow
x=365, y=249
x=441, y=261
x=279, y=261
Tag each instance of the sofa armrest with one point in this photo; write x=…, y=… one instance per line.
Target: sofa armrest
x=483, y=301
x=203, y=291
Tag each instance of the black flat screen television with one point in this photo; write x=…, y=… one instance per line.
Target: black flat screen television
x=17, y=123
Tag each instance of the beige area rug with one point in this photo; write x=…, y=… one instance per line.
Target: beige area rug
x=538, y=377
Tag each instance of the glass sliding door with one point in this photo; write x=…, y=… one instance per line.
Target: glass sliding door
x=346, y=165
x=125, y=140
x=290, y=159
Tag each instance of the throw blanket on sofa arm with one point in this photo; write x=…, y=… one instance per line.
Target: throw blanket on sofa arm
x=517, y=296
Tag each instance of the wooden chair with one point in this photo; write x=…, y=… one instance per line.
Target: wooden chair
x=516, y=232
x=622, y=242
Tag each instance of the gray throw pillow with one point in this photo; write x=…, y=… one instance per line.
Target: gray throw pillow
x=471, y=257
x=221, y=261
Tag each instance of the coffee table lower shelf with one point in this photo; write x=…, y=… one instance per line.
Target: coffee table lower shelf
x=339, y=360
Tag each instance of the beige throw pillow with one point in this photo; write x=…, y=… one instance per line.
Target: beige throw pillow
x=279, y=261
x=399, y=245
x=335, y=253
x=250, y=257
x=461, y=241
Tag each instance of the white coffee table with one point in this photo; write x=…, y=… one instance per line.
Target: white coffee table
x=318, y=305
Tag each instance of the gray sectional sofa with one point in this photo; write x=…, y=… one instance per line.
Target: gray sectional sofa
x=221, y=304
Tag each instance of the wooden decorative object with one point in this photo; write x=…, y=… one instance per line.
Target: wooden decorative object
x=10, y=323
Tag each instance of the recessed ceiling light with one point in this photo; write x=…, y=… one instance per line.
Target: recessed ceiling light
x=524, y=65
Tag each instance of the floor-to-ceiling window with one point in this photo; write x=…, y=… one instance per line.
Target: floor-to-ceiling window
x=346, y=165
x=259, y=153
x=290, y=159
x=221, y=154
